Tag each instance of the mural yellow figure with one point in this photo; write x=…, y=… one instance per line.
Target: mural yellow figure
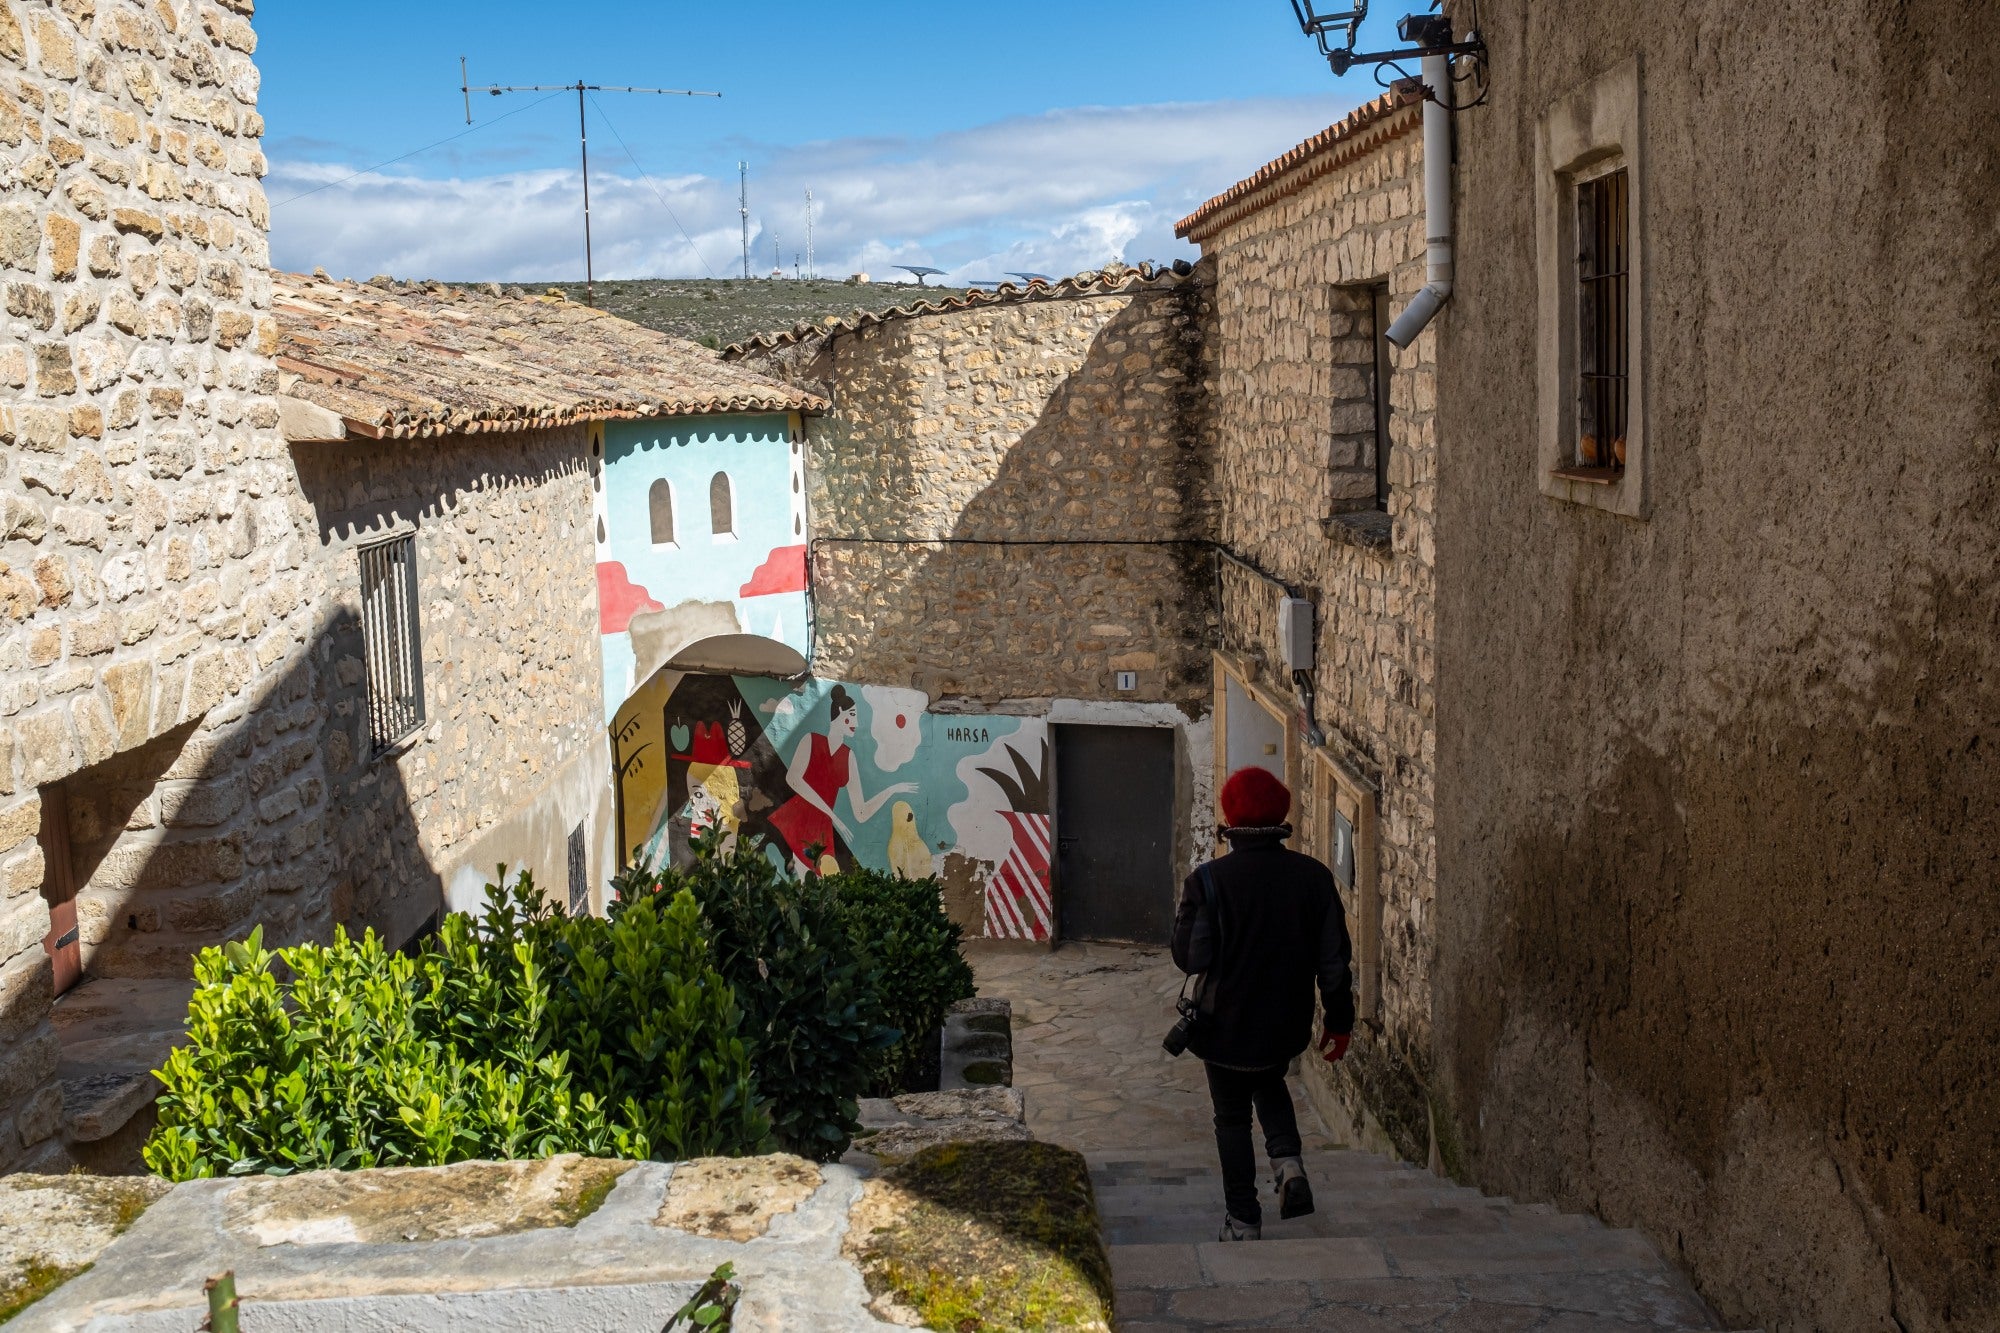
x=908, y=856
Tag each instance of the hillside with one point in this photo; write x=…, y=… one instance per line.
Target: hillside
x=720, y=311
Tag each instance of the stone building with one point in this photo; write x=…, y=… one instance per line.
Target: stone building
x=157, y=601
x=1009, y=519
x=450, y=453
x=1717, y=774
x=1322, y=449
x=298, y=597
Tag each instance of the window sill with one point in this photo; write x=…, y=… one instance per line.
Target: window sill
x=1589, y=476
x=1368, y=529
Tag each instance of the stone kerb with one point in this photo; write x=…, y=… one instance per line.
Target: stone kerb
x=511, y=1245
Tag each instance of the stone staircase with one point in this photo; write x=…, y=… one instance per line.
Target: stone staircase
x=1391, y=1247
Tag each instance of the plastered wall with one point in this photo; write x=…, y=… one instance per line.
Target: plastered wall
x=1717, y=788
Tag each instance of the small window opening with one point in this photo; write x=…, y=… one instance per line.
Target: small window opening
x=579, y=874
x=660, y=507
x=390, y=640
x=721, y=506
x=1603, y=319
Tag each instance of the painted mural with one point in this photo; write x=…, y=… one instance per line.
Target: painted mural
x=828, y=776
x=701, y=531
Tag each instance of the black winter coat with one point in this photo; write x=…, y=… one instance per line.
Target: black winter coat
x=1281, y=930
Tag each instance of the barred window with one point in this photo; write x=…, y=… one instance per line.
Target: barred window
x=1603, y=346
x=390, y=641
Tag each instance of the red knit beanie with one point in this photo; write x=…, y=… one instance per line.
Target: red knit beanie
x=1254, y=798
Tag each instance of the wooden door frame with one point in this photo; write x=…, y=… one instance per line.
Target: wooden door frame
x=62, y=945
x=1337, y=787
x=1227, y=668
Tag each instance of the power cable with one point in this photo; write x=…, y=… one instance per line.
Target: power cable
x=654, y=188
x=414, y=151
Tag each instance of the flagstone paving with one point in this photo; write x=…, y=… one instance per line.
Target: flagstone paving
x=1391, y=1246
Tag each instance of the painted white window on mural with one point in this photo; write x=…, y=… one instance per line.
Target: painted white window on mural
x=660, y=509
x=721, y=507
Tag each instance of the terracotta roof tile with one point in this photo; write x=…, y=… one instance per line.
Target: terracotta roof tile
x=1107, y=281
x=1361, y=131
x=417, y=360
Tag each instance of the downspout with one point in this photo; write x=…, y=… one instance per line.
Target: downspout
x=1423, y=307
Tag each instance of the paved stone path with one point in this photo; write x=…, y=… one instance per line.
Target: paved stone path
x=1392, y=1247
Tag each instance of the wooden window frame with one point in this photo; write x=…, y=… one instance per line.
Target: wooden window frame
x=1336, y=790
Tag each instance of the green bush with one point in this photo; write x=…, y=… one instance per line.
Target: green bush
x=903, y=926
x=521, y=1035
x=812, y=999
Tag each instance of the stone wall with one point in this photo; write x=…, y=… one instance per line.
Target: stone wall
x=1718, y=786
x=1292, y=428
x=1005, y=500
x=153, y=589
x=513, y=697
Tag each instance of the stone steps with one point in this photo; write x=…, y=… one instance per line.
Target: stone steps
x=1389, y=1247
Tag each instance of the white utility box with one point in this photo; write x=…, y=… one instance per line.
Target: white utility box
x=1295, y=633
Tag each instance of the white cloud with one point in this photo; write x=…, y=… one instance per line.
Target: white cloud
x=1053, y=193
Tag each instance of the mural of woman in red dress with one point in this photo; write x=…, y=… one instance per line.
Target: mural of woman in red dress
x=820, y=768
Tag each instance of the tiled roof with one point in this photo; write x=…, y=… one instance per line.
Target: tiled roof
x=418, y=360
x=1108, y=281
x=1361, y=131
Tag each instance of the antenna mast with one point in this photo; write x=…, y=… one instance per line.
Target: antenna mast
x=743, y=210
x=582, y=138
x=812, y=270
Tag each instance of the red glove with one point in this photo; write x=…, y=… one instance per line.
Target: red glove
x=1333, y=1045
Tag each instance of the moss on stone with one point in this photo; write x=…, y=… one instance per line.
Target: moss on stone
x=54, y=1227
x=30, y=1284
x=972, y=1237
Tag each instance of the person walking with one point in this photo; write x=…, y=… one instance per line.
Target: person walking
x=1262, y=925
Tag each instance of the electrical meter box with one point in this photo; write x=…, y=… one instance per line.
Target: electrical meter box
x=1295, y=633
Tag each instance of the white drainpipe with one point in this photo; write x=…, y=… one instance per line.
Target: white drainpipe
x=1423, y=307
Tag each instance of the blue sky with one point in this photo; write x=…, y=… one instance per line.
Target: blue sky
x=977, y=138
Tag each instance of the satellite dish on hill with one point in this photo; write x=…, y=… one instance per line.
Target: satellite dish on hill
x=920, y=271
x=1032, y=277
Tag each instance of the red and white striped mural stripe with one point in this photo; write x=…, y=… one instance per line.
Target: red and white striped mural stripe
x=1018, y=904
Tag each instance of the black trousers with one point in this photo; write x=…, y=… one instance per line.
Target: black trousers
x=1235, y=1092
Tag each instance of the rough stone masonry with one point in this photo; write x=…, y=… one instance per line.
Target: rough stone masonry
x=153, y=588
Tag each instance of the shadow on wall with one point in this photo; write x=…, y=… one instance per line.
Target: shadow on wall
x=189, y=840
x=507, y=630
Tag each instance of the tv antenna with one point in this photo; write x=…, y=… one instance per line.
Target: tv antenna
x=743, y=210
x=582, y=137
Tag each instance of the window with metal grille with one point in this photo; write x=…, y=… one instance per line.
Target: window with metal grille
x=390, y=641
x=660, y=507
x=1603, y=318
x=721, y=506
x=579, y=874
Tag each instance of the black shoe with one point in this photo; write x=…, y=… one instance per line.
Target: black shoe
x=1295, y=1192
